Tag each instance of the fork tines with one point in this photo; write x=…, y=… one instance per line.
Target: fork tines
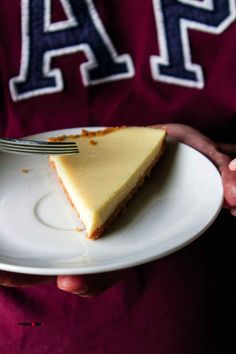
x=38, y=147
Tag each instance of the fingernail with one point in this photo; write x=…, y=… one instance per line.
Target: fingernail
x=233, y=212
x=81, y=293
x=232, y=165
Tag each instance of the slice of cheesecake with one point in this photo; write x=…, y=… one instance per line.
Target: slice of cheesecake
x=111, y=165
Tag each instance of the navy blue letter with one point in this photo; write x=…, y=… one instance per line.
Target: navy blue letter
x=174, y=18
x=43, y=40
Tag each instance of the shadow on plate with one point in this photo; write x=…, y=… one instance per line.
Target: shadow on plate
x=151, y=190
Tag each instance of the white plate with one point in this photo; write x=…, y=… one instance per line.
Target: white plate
x=37, y=225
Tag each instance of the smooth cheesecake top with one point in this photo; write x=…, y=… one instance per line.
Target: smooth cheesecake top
x=110, y=156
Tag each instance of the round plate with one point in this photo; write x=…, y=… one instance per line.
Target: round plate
x=41, y=234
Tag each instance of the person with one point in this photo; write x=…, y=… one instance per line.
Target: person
x=71, y=63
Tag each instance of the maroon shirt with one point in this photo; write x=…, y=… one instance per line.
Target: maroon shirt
x=77, y=63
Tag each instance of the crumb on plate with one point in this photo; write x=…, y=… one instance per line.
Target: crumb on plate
x=25, y=170
x=79, y=229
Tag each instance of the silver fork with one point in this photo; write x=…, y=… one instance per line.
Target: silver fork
x=20, y=146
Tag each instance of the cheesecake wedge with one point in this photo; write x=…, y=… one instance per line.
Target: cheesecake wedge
x=110, y=167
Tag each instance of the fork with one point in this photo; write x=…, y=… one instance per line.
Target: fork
x=20, y=146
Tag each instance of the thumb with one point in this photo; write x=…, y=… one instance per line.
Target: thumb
x=229, y=186
x=232, y=165
x=90, y=284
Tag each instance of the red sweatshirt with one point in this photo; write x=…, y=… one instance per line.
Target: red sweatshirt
x=76, y=63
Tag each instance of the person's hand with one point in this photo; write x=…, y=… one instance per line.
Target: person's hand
x=91, y=284
x=219, y=154
x=83, y=285
x=10, y=279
